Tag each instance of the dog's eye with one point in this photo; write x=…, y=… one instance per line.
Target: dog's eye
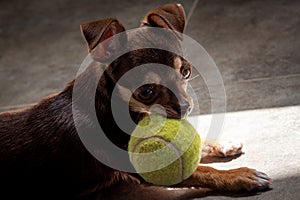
x=185, y=72
x=147, y=93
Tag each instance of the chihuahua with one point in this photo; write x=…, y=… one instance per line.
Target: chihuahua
x=42, y=155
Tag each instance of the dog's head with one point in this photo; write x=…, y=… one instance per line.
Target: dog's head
x=161, y=89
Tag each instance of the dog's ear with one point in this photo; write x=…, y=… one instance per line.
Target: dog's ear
x=170, y=16
x=96, y=32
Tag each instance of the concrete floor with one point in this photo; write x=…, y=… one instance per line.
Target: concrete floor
x=255, y=45
x=271, y=142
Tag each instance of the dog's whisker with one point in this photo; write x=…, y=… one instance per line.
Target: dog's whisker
x=184, y=52
x=196, y=76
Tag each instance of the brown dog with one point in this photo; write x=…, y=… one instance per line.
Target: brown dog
x=42, y=156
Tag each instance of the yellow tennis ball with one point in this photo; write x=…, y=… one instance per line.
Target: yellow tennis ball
x=164, y=151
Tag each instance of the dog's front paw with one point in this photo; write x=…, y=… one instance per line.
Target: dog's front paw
x=224, y=149
x=246, y=179
x=228, y=181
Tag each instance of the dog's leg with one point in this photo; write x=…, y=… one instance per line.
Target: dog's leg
x=234, y=180
x=206, y=181
x=144, y=191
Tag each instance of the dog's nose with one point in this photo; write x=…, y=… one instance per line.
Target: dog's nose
x=185, y=108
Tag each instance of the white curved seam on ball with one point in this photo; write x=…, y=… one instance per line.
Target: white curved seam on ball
x=169, y=144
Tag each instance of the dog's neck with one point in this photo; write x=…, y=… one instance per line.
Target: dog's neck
x=96, y=103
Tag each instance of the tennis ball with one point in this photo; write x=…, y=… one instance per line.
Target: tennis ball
x=164, y=151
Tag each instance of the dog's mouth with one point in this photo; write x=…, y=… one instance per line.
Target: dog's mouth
x=168, y=111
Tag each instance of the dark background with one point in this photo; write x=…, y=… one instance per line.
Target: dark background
x=255, y=44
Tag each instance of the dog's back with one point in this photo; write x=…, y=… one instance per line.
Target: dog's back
x=41, y=154
x=28, y=144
